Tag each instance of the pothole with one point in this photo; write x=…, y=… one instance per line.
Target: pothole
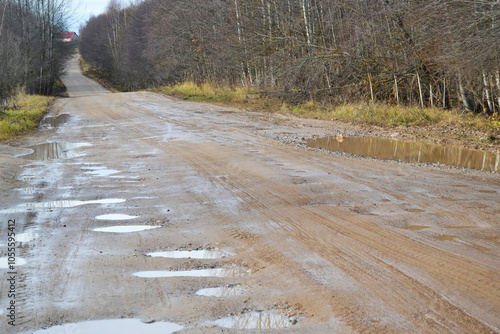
x=122, y=326
x=255, y=320
x=58, y=120
x=26, y=236
x=17, y=261
x=417, y=152
x=218, y=272
x=124, y=229
x=224, y=291
x=62, y=204
x=54, y=150
x=116, y=216
x=415, y=210
x=103, y=172
x=195, y=254
x=415, y=227
x=444, y=237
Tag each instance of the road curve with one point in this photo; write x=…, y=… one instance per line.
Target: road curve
x=341, y=245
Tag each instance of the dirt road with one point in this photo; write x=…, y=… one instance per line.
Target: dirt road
x=299, y=239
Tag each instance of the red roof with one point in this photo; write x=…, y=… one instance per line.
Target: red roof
x=68, y=34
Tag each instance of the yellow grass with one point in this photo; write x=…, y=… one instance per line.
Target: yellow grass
x=23, y=114
x=369, y=113
x=207, y=92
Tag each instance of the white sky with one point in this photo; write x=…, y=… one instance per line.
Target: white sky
x=82, y=10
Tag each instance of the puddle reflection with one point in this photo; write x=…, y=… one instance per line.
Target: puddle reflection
x=115, y=216
x=58, y=120
x=185, y=254
x=385, y=148
x=255, y=320
x=18, y=261
x=53, y=151
x=124, y=229
x=219, y=272
x=122, y=326
x=221, y=292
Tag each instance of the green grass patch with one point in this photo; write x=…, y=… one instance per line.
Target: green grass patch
x=22, y=114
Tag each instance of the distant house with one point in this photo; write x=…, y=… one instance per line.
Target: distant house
x=69, y=37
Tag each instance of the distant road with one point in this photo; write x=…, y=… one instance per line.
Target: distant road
x=79, y=85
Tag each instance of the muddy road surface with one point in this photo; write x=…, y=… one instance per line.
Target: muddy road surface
x=147, y=213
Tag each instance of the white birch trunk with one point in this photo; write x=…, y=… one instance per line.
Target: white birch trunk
x=306, y=23
x=420, y=91
x=497, y=79
x=396, y=88
x=462, y=94
x=487, y=91
x=431, y=97
x=444, y=93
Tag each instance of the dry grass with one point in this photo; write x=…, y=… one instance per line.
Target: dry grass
x=207, y=92
x=98, y=75
x=22, y=114
x=367, y=113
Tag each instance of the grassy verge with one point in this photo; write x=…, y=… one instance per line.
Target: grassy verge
x=22, y=114
x=377, y=114
x=103, y=77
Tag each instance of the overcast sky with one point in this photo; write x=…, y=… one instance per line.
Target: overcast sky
x=82, y=10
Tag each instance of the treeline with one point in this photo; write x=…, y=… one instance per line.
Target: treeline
x=442, y=53
x=32, y=55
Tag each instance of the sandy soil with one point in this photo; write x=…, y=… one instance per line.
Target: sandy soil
x=341, y=245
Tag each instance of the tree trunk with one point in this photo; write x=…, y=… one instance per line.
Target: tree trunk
x=371, y=87
x=462, y=94
x=444, y=93
x=431, y=97
x=306, y=23
x=497, y=79
x=487, y=91
x=396, y=89
x=420, y=91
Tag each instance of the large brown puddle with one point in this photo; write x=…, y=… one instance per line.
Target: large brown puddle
x=390, y=149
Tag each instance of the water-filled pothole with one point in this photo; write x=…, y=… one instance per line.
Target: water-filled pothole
x=103, y=172
x=26, y=236
x=255, y=320
x=390, y=149
x=124, y=229
x=415, y=210
x=53, y=151
x=122, y=326
x=58, y=120
x=218, y=272
x=225, y=291
x=17, y=261
x=116, y=216
x=62, y=204
x=70, y=204
x=415, y=227
x=444, y=237
x=195, y=254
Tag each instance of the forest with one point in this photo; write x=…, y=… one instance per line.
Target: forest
x=32, y=56
x=431, y=53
